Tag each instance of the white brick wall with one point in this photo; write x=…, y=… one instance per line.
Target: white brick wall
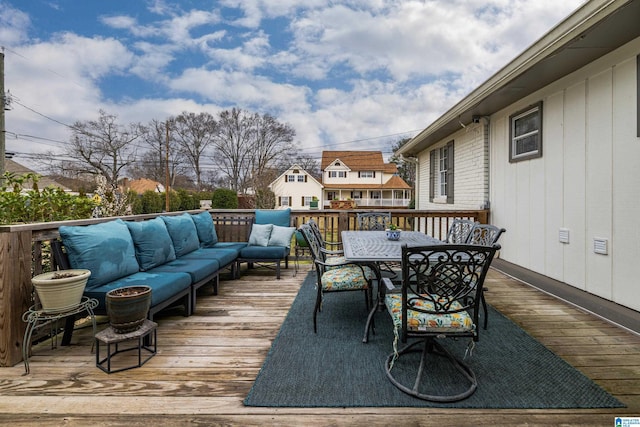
x=471, y=170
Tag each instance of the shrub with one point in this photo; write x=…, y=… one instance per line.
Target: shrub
x=224, y=198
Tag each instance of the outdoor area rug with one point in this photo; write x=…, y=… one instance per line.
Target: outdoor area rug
x=334, y=368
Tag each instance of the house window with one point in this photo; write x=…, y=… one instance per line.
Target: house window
x=332, y=195
x=356, y=194
x=337, y=174
x=291, y=178
x=301, y=178
x=376, y=195
x=441, y=174
x=285, y=200
x=366, y=174
x=525, y=134
x=306, y=201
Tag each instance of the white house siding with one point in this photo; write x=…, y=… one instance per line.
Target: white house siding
x=296, y=190
x=587, y=180
x=470, y=170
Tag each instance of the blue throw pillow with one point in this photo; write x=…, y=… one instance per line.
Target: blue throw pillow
x=106, y=249
x=281, y=236
x=152, y=243
x=205, y=228
x=260, y=234
x=183, y=233
x=280, y=217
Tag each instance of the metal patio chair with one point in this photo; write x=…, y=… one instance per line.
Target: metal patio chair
x=440, y=297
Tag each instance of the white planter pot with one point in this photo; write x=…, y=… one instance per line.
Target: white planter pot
x=58, y=295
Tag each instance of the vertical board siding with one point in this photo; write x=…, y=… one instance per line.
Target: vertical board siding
x=586, y=181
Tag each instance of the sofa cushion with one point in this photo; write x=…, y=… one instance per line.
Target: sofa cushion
x=237, y=246
x=260, y=234
x=205, y=228
x=198, y=269
x=224, y=256
x=183, y=233
x=281, y=217
x=106, y=249
x=281, y=236
x=152, y=242
x=264, y=252
x=163, y=286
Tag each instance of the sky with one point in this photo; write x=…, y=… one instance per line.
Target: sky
x=345, y=74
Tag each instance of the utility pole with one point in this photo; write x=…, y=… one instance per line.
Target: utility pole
x=2, y=106
x=166, y=172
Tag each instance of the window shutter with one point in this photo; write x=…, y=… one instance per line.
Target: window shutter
x=286, y=178
x=358, y=174
x=305, y=178
x=302, y=201
x=374, y=174
x=432, y=175
x=290, y=199
x=450, y=161
x=279, y=200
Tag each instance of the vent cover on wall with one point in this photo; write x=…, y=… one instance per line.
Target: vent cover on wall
x=600, y=246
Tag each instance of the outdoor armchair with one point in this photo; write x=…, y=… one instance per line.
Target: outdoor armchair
x=336, y=277
x=440, y=296
x=460, y=230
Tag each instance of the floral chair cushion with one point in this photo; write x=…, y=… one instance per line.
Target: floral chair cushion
x=425, y=322
x=336, y=261
x=345, y=278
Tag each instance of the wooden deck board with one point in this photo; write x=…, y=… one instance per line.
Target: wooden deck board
x=206, y=365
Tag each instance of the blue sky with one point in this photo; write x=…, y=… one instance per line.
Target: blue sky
x=354, y=74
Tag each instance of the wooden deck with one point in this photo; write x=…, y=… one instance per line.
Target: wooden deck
x=206, y=364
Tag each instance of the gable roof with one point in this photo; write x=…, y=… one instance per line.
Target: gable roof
x=358, y=161
x=291, y=168
x=44, y=182
x=590, y=32
x=143, y=184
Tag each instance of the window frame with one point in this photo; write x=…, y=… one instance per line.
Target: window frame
x=434, y=171
x=513, y=138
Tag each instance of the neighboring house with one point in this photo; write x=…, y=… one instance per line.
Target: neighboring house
x=364, y=177
x=141, y=185
x=296, y=188
x=551, y=143
x=19, y=170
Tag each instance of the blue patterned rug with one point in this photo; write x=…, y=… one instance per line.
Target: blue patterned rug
x=333, y=368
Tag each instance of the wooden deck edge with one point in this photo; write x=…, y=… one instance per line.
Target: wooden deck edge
x=619, y=315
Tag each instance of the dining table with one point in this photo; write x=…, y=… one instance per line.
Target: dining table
x=373, y=248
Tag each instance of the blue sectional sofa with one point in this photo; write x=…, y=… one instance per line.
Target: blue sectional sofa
x=269, y=240
x=174, y=255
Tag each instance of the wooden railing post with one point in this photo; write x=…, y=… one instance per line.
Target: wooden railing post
x=15, y=293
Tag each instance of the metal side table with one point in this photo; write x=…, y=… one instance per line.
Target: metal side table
x=110, y=337
x=36, y=318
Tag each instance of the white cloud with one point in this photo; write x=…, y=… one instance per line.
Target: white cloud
x=352, y=70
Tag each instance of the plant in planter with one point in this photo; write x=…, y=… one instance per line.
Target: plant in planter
x=314, y=203
x=393, y=232
x=60, y=291
x=128, y=307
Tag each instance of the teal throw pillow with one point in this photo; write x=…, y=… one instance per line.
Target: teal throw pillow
x=260, y=234
x=106, y=249
x=281, y=217
x=183, y=233
x=281, y=236
x=205, y=228
x=152, y=243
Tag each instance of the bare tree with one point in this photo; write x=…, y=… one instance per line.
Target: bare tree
x=102, y=147
x=406, y=170
x=249, y=146
x=194, y=134
x=310, y=164
x=233, y=143
x=153, y=163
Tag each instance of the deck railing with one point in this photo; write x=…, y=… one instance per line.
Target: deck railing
x=24, y=252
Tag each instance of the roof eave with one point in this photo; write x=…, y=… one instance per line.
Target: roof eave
x=596, y=28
